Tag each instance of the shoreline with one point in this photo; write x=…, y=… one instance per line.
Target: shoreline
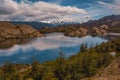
x=113, y=34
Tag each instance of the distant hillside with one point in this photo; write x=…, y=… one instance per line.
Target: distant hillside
x=9, y=30
x=36, y=25
x=100, y=27
x=111, y=21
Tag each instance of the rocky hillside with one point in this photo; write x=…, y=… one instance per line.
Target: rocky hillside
x=77, y=30
x=112, y=22
x=112, y=72
x=99, y=27
x=94, y=27
x=8, y=30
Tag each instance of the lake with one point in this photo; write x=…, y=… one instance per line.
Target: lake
x=45, y=48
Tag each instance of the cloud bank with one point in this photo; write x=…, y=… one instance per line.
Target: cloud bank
x=38, y=11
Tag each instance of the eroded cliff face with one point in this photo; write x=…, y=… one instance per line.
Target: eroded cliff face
x=8, y=30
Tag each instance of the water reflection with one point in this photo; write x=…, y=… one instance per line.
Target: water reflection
x=46, y=48
x=8, y=43
x=112, y=35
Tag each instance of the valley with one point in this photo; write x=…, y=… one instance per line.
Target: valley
x=87, y=51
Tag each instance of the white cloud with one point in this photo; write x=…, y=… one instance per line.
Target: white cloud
x=114, y=7
x=38, y=11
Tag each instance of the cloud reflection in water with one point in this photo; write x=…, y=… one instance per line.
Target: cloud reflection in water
x=53, y=41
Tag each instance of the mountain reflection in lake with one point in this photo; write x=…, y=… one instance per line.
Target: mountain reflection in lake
x=45, y=48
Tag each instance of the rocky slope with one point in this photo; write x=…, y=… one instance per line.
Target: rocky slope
x=78, y=31
x=8, y=30
x=112, y=22
x=93, y=27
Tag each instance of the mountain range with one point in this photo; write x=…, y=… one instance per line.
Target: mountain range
x=108, y=20
x=108, y=24
x=36, y=25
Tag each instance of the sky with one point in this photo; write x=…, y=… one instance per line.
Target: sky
x=57, y=10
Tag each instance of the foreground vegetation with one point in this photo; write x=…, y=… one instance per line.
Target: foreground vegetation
x=84, y=64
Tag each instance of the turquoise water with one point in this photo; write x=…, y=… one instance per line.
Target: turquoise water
x=47, y=48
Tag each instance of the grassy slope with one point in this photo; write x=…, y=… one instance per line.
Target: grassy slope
x=111, y=72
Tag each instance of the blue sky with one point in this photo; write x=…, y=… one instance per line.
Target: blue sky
x=57, y=10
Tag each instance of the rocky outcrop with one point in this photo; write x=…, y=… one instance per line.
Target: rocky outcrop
x=73, y=33
x=99, y=31
x=83, y=31
x=104, y=27
x=27, y=30
x=96, y=31
x=8, y=30
x=79, y=32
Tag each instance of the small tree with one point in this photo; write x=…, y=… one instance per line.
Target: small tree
x=60, y=66
x=36, y=71
x=83, y=47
